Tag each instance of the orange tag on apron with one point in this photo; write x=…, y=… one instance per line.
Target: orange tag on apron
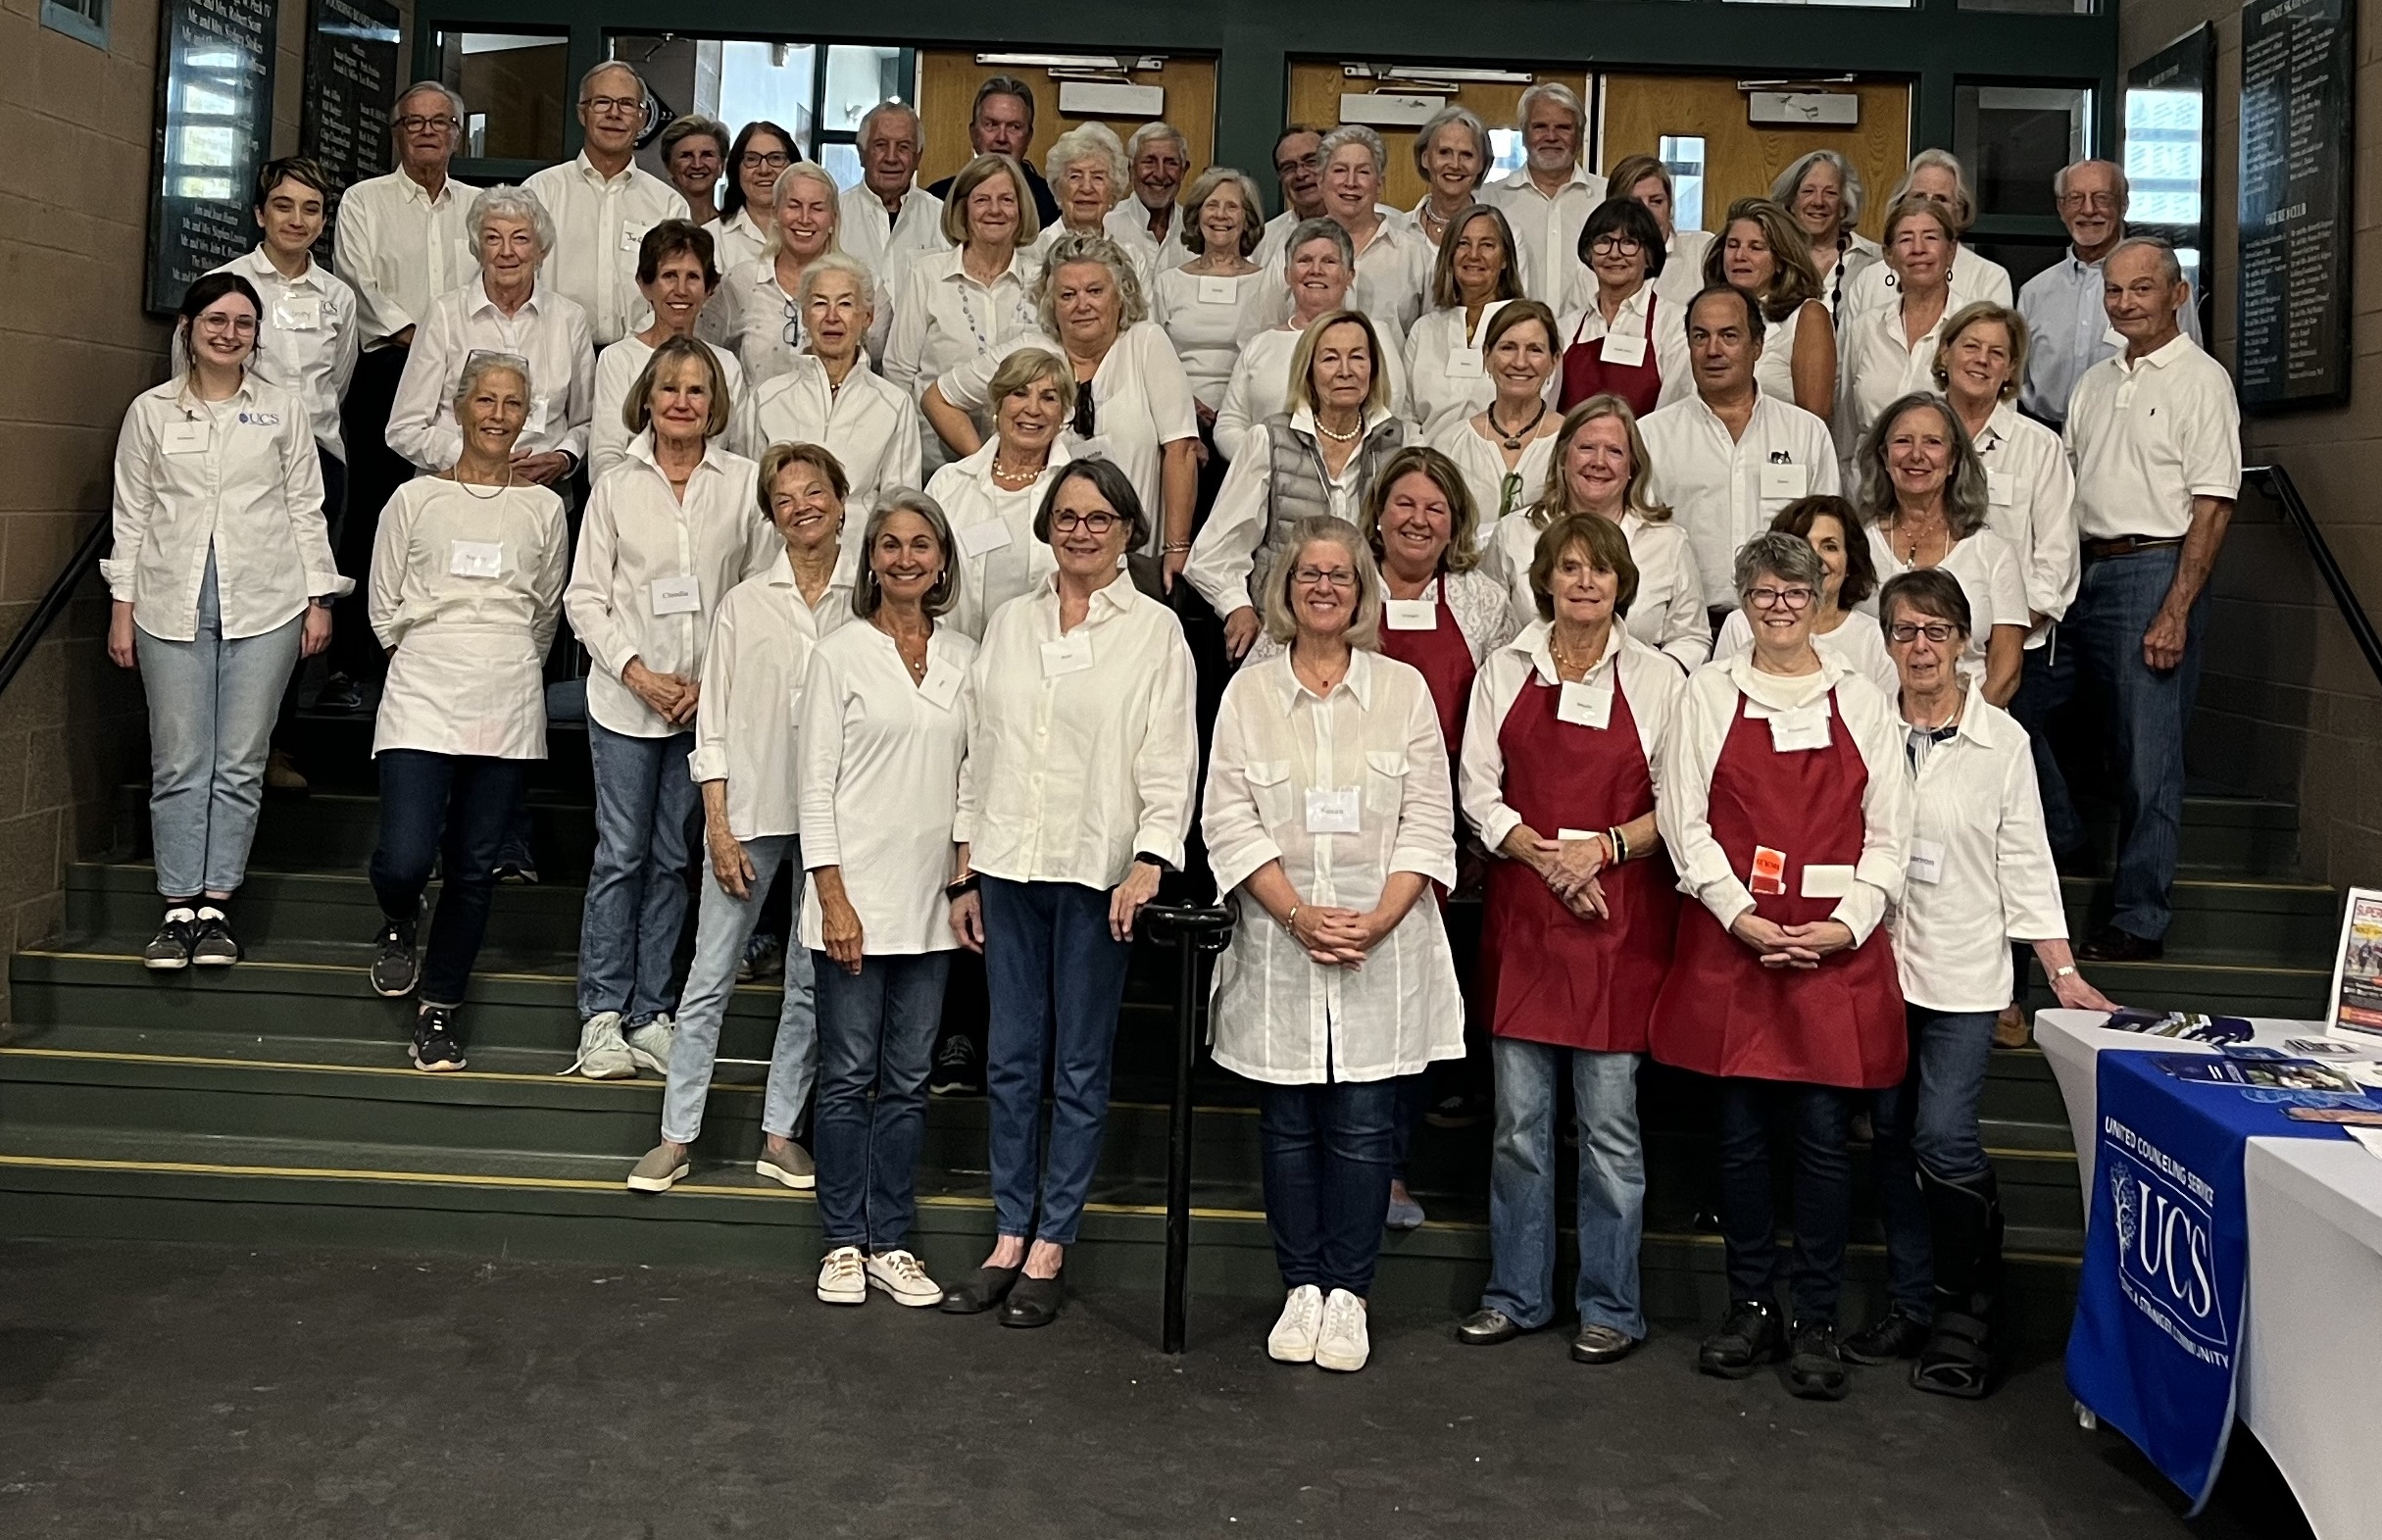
x=1769, y=871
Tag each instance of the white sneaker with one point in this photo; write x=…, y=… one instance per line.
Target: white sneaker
x=842, y=1279
x=1343, y=1345
x=1292, y=1337
x=898, y=1274
x=649, y=1045
x=603, y=1055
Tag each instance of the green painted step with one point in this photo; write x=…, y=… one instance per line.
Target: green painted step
x=2237, y=836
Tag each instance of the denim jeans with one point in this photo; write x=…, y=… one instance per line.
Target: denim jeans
x=874, y=1028
x=454, y=802
x=1821, y=1116
x=2116, y=600
x=1930, y=1119
x=723, y=925
x=1056, y=978
x=212, y=705
x=637, y=888
x=1522, y=1186
x=1327, y=1176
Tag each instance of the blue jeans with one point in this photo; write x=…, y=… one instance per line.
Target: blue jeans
x=637, y=888
x=2115, y=603
x=876, y=1027
x=1056, y=978
x=1821, y=1116
x=212, y=705
x=1522, y=1222
x=1928, y=1120
x=721, y=927
x=460, y=804
x=1327, y=1176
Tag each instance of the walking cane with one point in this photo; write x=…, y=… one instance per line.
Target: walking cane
x=1196, y=931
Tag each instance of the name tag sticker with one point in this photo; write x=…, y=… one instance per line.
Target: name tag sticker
x=298, y=313
x=1218, y=291
x=677, y=596
x=1464, y=364
x=1826, y=881
x=631, y=237
x=979, y=539
x=476, y=558
x=1412, y=615
x=940, y=687
x=1625, y=348
x=1585, y=705
x=190, y=436
x=1332, y=810
x=1926, y=861
x=1999, y=488
x=1787, y=481
x=1068, y=655
x=1768, y=876
x=1804, y=727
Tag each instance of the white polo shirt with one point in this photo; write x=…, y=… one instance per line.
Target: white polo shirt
x=1547, y=229
x=599, y=224
x=2149, y=436
x=1725, y=491
x=2068, y=331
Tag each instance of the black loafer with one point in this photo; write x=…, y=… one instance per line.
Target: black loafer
x=1033, y=1301
x=990, y=1287
x=1485, y=1328
x=2109, y=944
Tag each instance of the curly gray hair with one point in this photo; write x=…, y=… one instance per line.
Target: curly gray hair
x=1075, y=247
x=506, y=200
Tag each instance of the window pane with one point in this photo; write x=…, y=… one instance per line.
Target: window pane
x=1508, y=152
x=2038, y=7
x=839, y=157
x=2163, y=156
x=2013, y=140
x=858, y=79
x=1682, y=155
x=517, y=88
x=772, y=80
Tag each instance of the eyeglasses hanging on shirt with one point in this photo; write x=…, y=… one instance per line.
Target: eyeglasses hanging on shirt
x=793, y=327
x=1083, y=423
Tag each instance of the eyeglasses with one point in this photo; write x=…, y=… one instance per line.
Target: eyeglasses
x=766, y=159
x=599, y=105
x=1905, y=632
x=419, y=124
x=1509, y=492
x=1339, y=578
x=2104, y=201
x=219, y=322
x=1625, y=245
x=1780, y=598
x=1101, y=523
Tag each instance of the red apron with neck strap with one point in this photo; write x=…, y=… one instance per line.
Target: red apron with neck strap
x=1586, y=373
x=1444, y=659
x=1721, y=1013
x=1546, y=975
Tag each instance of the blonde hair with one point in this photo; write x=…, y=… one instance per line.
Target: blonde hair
x=976, y=173
x=1555, y=500
x=1281, y=622
x=637, y=409
x=1026, y=365
x=775, y=242
x=1977, y=314
x=1072, y=246
x=1303, y=362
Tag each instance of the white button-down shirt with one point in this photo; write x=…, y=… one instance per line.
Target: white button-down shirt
x=1481, y=461
x=1447, y=378
x=1701, y=725
x=1878, y=368
x=548, y=330
x=999, y=558
x=2150, y=436
x=1140, y=256
x=310, y=338
x=237, y=479
x=882, y=763
x=636, y=535
x=1667, y=614
x=1209, y=319
x=1072, y=771
x=599, y=222
x=1270, y=253
x=1682, y=273
x=1548, y=229
x=1128, y=225
x=2030, y=502
x=400, y=248
x=1973, y=277
x=886, y=242
x=1648, y=682
x=868, y=423
x=943, y=319
x=1393, y=281
x=617, y=369
x=748, y=716
x=1722, y=491
x=1586, y=326
x=1856, y=640
x=1989, y=573
x=467, y=585
x=1259, y=387
x=735, y=241
x=2068, y=331
x=1977, y=812
x=756, y=319
x=1277, y=1014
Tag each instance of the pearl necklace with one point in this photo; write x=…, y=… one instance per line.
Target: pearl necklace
x=1349, y=437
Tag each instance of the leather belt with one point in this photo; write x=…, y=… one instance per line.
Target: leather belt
x=2128, y=544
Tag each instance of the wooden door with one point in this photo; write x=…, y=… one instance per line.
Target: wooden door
x=946, y=94
x=1741, y=161
x=1318, y=84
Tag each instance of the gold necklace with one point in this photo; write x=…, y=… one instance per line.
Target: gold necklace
x=501, y=490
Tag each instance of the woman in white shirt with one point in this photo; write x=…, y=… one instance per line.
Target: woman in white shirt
x=2030, y=487
x=1318, y=268
x=758, y=315
x=1472, y=280
x=1328, y=814
x=467, y=589
x=1453, y=157
x=966, y=303
x=1935, y=176
x=1576, y=934
x=1980, y=877
x=1131, y=392
x=1220, y=299
x=1081, y=754
x=678, y=276
x=830, y=395
x=1600, y=467
x=745, y=765
x=1786, y=812
x=221, y=580
x=1089, y=175
x=1839, y=624
x=1504, y=449
x=1320, y=457
x=994, y=495
x=885, y=734
x=1645, y=180
x=1890, y=350
x=761, y=151
x=1762, y=252
x=1393, y=260
x=1628, y=339
x=803, y=487
x=1822, y=191
x=667, y=534
x=1923, y=499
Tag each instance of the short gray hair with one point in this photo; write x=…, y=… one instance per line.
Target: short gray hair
x=1204, y=187
x=867, y=595
x=480, y=362
x=837, y=262
x=1555, y=92
x=1964, y=199
x=1355, y=134
x=2168, y=264
x=1455, y=116
x=1313, y=229
x=506, y=200
x=1781, y=554
x=893, y=104
x=1150, y=134
x=1085, y=142
x=455, y=101
x=1966, y=495
x=1071, y=247
x=644, y=92
x=1848, y=176
x=1281, y=620
x=2125, y=189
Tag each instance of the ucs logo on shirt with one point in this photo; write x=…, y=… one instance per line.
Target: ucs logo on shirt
x=2166, y=1255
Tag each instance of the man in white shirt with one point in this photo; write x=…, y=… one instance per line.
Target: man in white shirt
x=888, y=219
x=1298, y=166
x=2155, y=436
x=601, y=204
x=1727, y=460
x=2068, y=329
x=693, y=148
x=399, y=241
x=1548, y=200
x=1148, y=224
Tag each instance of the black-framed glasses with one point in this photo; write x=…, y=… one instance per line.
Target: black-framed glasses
x=1625, y=245
x=1795, y=598
x=766, y=159
x=1099, y=521
x=421, y=122
x=600, y=105
x=1905, y=632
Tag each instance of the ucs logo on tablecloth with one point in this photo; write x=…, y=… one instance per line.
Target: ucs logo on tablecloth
x=2165, y=1252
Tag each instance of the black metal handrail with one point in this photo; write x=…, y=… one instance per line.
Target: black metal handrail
x=2276, y=482
x=54, y=602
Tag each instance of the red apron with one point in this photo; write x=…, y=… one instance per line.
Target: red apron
x=1547, y=975
x=1721, y=1013
x=1586, y=373
x=1444, y=659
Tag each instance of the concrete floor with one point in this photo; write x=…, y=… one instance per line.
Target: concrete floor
x=189, y=1392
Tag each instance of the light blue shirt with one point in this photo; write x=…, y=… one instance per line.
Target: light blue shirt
x=2069, y=332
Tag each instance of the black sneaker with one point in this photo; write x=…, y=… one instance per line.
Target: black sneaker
x=168, y=951
x=211, y=941
x=1893, y=1335
x=955, y=1069
x=1816, y=1371
x=1456, y=1111
x=522, y=870
x=1751, y=1334
x=765, y=957
x=436, y=1049
x=397, y=969
x=341, y=694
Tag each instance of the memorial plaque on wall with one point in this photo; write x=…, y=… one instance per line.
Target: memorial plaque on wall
x=2297, y=153
x=214, y=124
x=351, y=88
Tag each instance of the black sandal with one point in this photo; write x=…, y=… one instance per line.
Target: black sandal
x=1957, y=1359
